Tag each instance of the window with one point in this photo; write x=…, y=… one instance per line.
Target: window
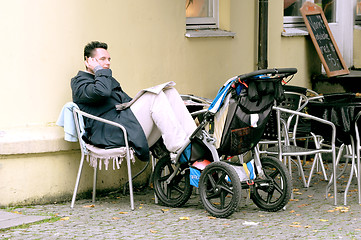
x=292, y=15
x=202, y=14
x=358, y=12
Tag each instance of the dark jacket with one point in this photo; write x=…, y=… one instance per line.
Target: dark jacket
x=98, y=94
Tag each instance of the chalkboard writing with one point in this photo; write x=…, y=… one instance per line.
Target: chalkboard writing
x=323, y=40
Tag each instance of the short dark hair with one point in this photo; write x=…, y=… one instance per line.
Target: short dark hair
x=90, y=47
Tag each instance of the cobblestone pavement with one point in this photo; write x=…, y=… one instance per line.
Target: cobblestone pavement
x=309, y=216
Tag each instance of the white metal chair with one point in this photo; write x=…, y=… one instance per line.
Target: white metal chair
x=285, y=150
x=358, y=149
x=97, y=156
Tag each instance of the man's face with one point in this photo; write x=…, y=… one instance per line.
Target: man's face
x=102, y=56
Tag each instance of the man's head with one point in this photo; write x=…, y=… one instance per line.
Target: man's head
x=96, y=53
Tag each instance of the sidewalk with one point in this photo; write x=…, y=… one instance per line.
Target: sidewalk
x=308, y=216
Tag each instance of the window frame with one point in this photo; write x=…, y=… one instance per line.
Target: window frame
x=205, y=22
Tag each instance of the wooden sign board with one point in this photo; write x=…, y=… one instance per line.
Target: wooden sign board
x=323, y=40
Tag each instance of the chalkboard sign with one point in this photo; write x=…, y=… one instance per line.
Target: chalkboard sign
x=323, y=40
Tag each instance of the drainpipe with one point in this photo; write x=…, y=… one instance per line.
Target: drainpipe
x=262, y=33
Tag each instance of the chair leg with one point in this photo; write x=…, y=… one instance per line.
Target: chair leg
x=77, y=181
x=153, y=165
x=130, y=182
x=94, y=184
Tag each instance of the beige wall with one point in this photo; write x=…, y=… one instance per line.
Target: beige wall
x=42, y=47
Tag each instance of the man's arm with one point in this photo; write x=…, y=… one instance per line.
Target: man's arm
x=87, y=90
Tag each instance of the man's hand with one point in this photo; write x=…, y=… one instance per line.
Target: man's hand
x=91, y=63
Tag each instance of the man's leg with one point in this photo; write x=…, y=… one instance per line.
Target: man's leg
x=164, y=114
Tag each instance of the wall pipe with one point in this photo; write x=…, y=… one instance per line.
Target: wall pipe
x=262, y=34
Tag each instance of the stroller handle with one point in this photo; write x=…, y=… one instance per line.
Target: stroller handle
x=283, y=72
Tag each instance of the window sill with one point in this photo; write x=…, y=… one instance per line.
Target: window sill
x=294, y=32
x=209, y=33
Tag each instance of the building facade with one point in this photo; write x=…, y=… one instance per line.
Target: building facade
x=150, y=42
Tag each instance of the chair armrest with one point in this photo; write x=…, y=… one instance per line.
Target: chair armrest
x=81, y=113
x=314, y=118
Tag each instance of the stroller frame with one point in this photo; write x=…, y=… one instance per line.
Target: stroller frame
x=227, y=173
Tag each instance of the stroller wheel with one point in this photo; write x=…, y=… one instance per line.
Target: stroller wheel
x=275, y=192
x=178, y=191
x=220, y=189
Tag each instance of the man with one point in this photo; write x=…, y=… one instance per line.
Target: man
x=151, y=116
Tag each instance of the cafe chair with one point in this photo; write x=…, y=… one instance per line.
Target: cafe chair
x=294, y=101
x=284, y=149
x=71, y=118
x=358, y=150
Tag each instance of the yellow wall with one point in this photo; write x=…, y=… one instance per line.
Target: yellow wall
x=357, y=48
x=42, y=49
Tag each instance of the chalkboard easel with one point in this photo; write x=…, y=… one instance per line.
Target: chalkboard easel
x=323, y=40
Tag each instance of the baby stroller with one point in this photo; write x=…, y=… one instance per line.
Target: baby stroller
x=221, y=157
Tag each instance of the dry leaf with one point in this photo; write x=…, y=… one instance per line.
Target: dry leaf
x=184, y=218
x=152, y=231
x=292, y=211
x=212, y=217
x=303, y=205
x=296, y=223
x=297, y=193
x=296, y=200
x=64, y=218
x=298, y=226
x=309, y=196
x=307, y=226
x=140, y=207
x=123, y=212
x=323, y=220
x=298, y=214
x=89, y=206
x=165, y=210
x=115, y=218
x=330, y=210
x=296, y=189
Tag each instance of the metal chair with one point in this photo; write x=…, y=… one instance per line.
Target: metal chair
x=95, y=156
x=284, y=149
x=294, y=101
x=358, y=150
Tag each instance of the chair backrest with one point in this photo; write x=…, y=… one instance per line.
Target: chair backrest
x=293, y=101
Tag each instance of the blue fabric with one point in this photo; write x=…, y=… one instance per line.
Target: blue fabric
x=186, y=154
x=66, y=120
x=251, y=170
x=218, y=100
x=194, y=176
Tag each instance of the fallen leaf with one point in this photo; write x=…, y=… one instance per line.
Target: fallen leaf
x=309, y=196
x=261, y=215
x=297, y=193
x=307, y=226
x=140, y=207
x=89, y=206
x=296, y=200
x=297, y=226
x=165, y=210
x=64, y=218
x=16, y=212
x=123, y=212
x=115, y=218
x=184, y=218
x=330, y=210
x=323, y=220
x=212, y=217
x=292, y=211
x=298, y=214
x=296, y=223
x=303, y=205
x=152, y=231
x=296, y=189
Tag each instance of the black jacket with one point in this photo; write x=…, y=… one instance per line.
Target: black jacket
x=98, y=94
